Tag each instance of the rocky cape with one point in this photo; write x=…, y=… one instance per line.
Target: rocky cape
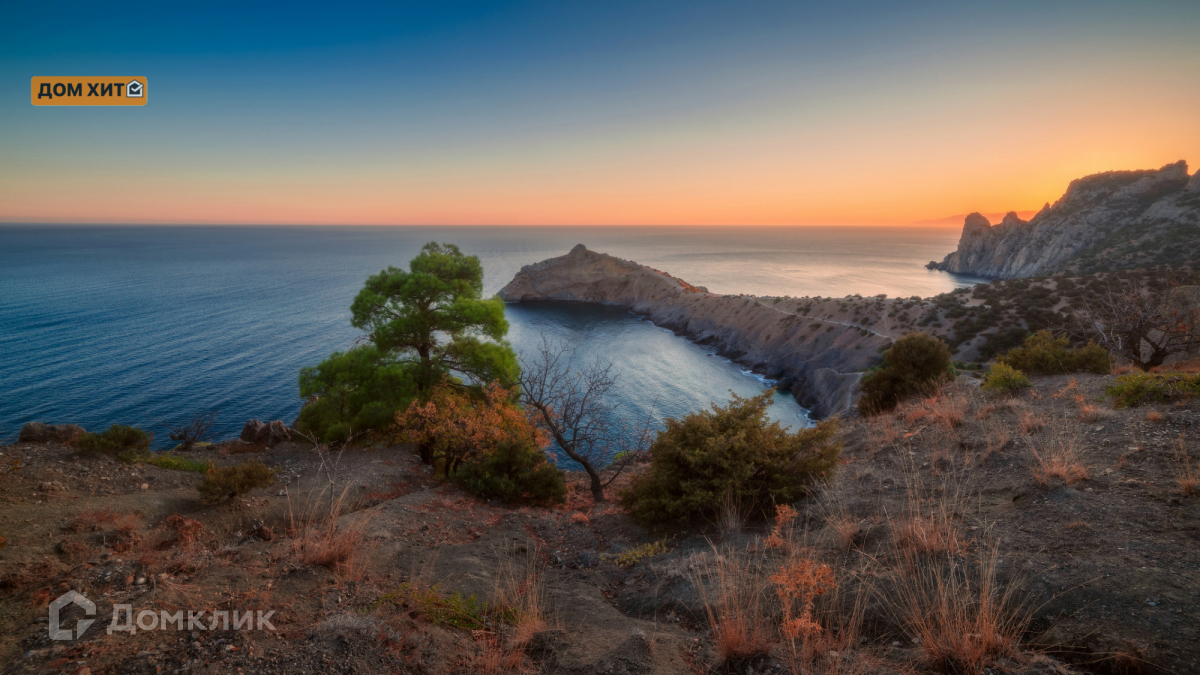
x=1113, y=220
x=822, y=368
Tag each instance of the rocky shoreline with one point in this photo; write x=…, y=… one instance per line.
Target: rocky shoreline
x=774, y=337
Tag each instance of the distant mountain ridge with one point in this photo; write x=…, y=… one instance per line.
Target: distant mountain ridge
x=1112, y=220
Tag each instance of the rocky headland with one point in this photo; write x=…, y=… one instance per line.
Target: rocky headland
x=1113, y=220
x=810, y=346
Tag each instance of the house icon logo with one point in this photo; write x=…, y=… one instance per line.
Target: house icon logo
x=56, y=607
x=135, y=89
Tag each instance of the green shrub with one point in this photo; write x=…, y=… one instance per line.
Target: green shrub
x=1134, y=388
x=514, y=472
x=1005, y=379
x=165, y=460
x=126, y=444
x=1044, y=354
x=221, y=483
x=732, y=453
x=914, y=364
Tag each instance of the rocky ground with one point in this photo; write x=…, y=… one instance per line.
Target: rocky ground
x=1101, y=548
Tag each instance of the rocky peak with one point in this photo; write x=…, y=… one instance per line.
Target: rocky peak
x=1011, y=219
x=1097, y=218
x=976, y=223
x=578, y=250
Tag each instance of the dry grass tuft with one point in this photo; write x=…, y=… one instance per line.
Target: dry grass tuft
x=960, y=615
x=733, y=517
x=948, y=410
x=844, y=530
x=883, y=431
x=580, y=518
x=1184, y=475
x=1031, y=423
x=1059, y=458
x=927, y=534
x=1090, y=413
x=1153, y=416
x=733, y=596
x=324, y=539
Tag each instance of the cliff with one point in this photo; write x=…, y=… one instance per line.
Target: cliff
x=1119, y=219
x=818, y=358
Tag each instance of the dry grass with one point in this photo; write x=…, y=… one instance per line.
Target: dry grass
x=1031, y=423
x=732, y=519
x=996, y=437
x=580, y=518
x=985, y=412
x=734, y=593
x=843, y=530
x=883, y=431
x=960, y=615
x=927, y=534
x=1090, y=413
x=1059, y=457
x=1153, y=416
x=929, y=525
x=1184, y=475
x=326, y=539
x=948, y=409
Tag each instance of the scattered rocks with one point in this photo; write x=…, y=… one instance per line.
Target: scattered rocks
x=268, y=433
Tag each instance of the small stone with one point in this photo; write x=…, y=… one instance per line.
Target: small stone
x=145, y=486
x=141, y=581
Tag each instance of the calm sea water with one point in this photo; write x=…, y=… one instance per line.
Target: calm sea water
x=146, y=325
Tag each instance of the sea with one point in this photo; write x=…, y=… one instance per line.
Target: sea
x=148, y=325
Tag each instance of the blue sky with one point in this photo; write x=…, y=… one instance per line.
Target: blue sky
x=688, y=112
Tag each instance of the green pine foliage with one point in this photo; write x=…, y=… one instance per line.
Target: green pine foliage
x=425, y=324
x=353, y=391
x=1044, y=354
x=915, y=364
x=701, y=462
x=221, y=483
x=515, y=473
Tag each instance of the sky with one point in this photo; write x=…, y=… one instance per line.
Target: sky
x=606, y=112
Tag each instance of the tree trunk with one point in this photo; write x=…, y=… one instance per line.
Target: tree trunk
x=597, y=486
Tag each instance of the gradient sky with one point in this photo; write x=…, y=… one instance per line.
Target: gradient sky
x=603, y=112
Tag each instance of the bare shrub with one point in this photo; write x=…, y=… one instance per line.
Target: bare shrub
x=193, y=431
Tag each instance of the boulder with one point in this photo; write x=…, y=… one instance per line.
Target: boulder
x=37, y=432
x=251, y=431
x=276, y=432
x=268, y=433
